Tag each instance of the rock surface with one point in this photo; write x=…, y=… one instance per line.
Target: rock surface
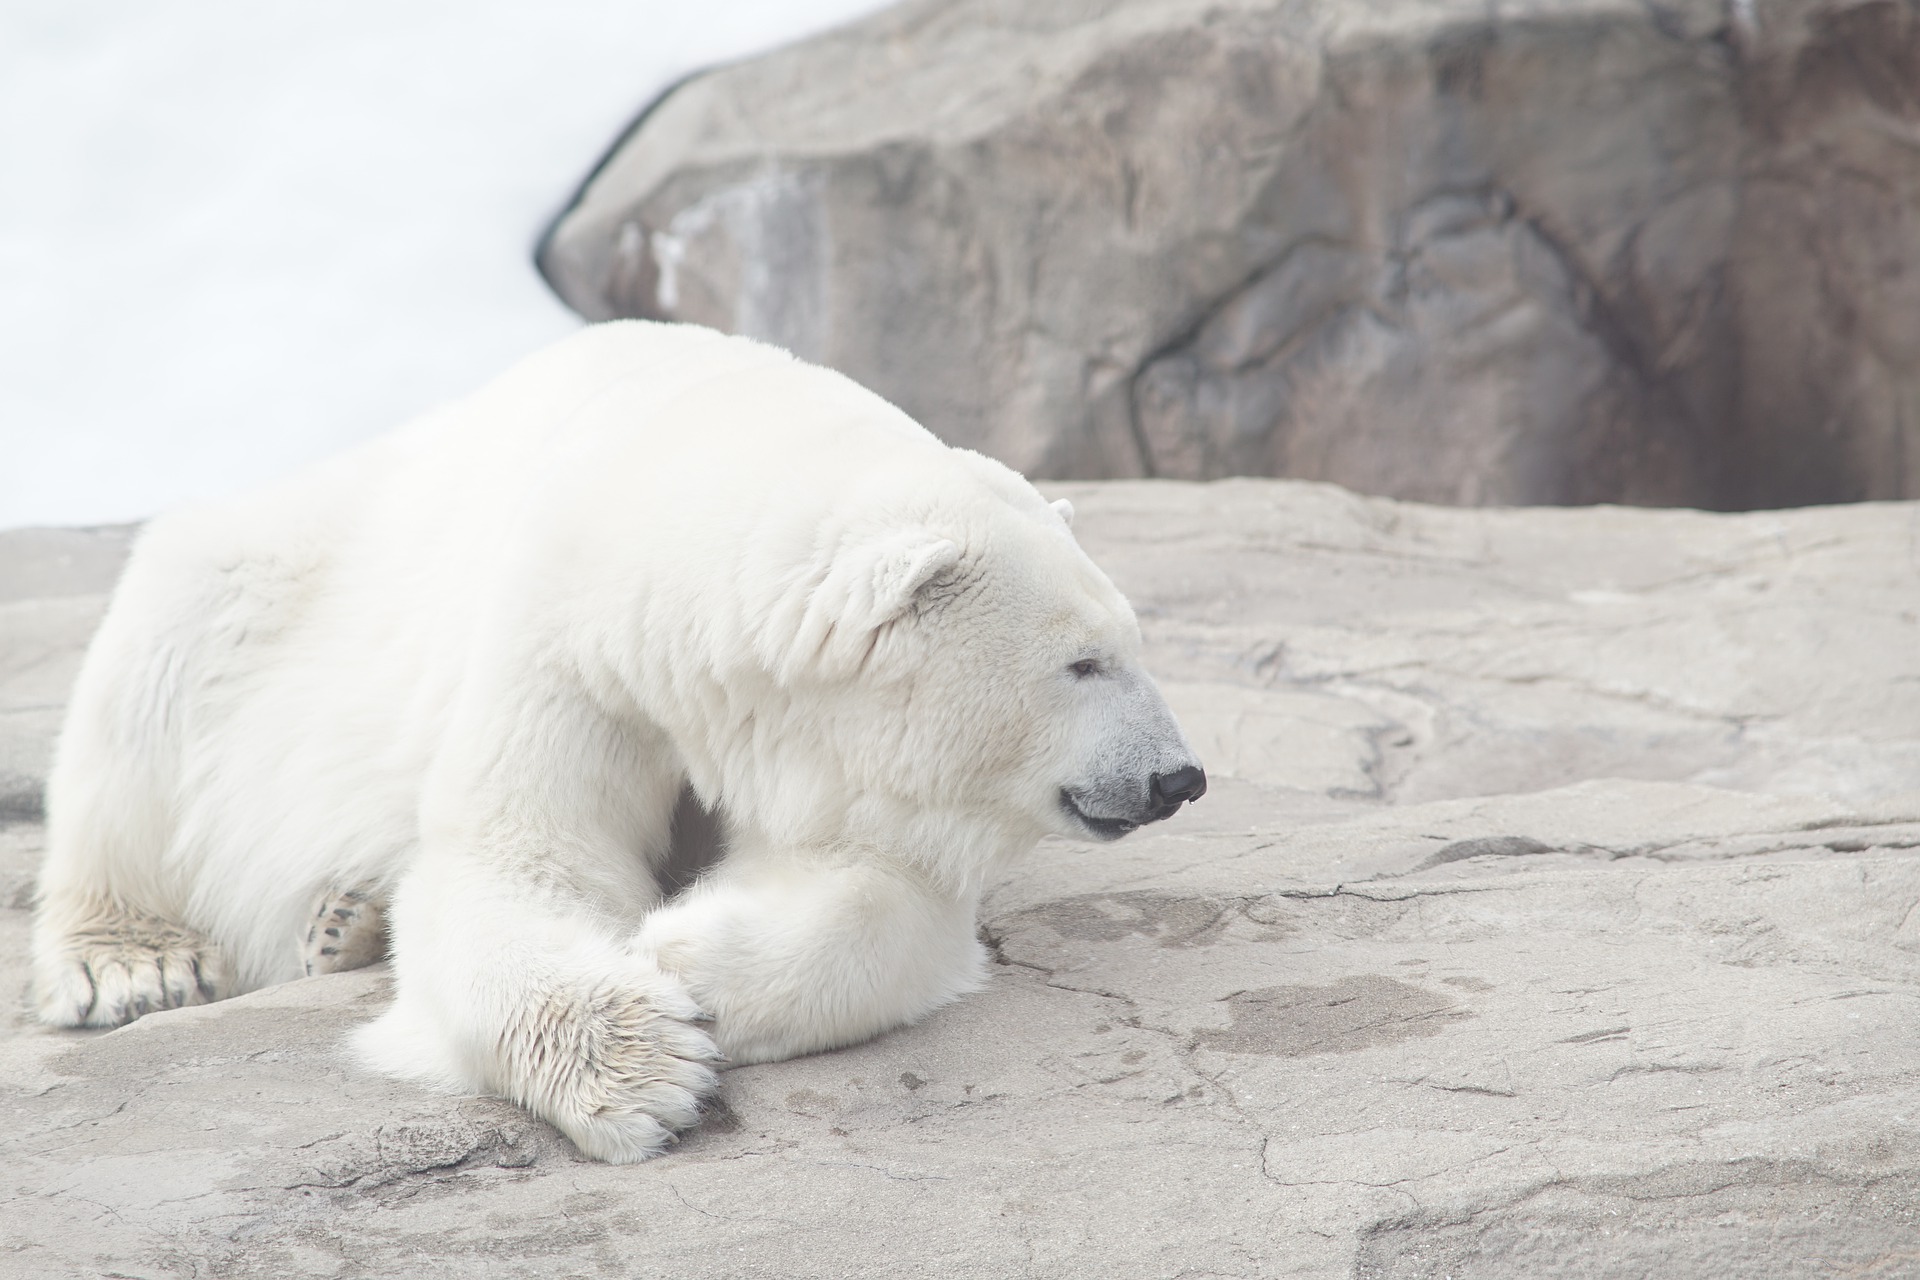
x=1546, y=251
x=53, y=584
x=1555, y=912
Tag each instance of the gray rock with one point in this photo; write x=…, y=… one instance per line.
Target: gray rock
x=1555, y=251
x=53, y=585
x=1553, y=913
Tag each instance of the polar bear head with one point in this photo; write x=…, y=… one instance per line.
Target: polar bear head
x=974, y=669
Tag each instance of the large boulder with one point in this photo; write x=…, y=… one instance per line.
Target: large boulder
x=1553, y=913
x=1549, y=251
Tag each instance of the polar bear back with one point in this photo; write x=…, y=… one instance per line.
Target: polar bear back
x=646, y=426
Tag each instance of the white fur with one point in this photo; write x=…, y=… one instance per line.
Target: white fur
x=471, y=665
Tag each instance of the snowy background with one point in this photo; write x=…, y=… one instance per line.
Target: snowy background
x=235, y=237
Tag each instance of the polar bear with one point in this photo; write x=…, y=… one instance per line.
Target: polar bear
x=460, y=676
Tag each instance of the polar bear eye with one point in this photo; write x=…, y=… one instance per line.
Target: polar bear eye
x=1084, y=668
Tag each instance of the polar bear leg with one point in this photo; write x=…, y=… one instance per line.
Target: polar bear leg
x=511, y=968
x=101, y=965
x=794, y=953
x=506, y=986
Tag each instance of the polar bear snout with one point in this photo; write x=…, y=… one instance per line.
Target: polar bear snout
x=1137, y=766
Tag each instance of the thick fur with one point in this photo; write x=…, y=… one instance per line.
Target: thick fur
x=464, y=672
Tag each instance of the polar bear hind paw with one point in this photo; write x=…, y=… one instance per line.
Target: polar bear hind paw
x=621, y=1071
x=119, y=965
x=346, y=929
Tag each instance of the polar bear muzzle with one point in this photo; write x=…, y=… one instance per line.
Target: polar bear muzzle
x=1165, y=793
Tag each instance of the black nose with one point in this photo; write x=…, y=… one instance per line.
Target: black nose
x=1170, y=789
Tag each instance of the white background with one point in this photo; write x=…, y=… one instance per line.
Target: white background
x=235, y=236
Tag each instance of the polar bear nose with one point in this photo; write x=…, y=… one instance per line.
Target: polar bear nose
x=1171, y=790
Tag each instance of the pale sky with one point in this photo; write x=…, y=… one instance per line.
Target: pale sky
x=235, y=237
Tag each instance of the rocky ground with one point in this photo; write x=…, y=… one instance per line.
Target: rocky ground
x=1554, y=913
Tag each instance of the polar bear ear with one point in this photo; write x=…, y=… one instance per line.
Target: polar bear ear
x=897, y=568
x=866, y=586
x=1063, y=509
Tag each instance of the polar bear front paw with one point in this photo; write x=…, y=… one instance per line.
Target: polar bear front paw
x=119, y=965
x=619, y=1070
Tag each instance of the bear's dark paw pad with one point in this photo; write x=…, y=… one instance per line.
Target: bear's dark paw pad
x=349, y=931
